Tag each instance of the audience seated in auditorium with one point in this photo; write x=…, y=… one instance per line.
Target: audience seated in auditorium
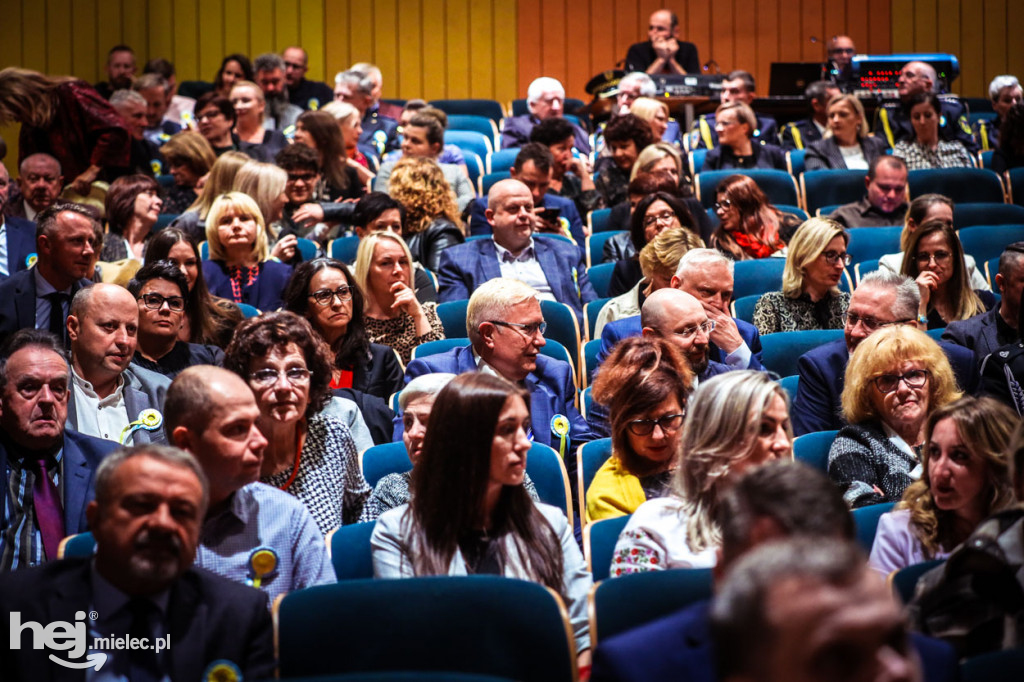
x=142, y=573
x=351, y=125
x=189, y=159
x=39, y=183
x=161, y=290
x=555, y=269
x=735, y=124
x=177, y=108
x=432, y=222
x=143, y=154
x=120, y=68
x=570, y=174
x=233, y=68
x=506, y=332
x=964, y=480
x=643, y=384
x=340, y=180
x=545, y=98
x=810, y=297
x=281, y=114
x=657, y=115
x=631, y=87
x=155, y=89
x=212, y=414
x=265, y=184
x=310, y=453
x=738, y=86
x=735, y=423
x=893, y=121
x=881, y=300
x=380, y=132
x=803, y=133
x=1002, y=370
x=304, y=93
x=472, y=468
x=394, y=316
x=895, y=379
x=925, y=149
x=840, y=56
x=215, y=120
x=17, y=235
x=885, y=203
x=67, y=242
x=35, y=382
x=663, y=52
x=988, y=331
x=847, y=143
x=750, y=226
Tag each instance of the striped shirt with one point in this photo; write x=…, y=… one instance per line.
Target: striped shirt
x=21, y=542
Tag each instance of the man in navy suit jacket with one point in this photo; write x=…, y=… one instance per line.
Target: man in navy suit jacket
x=33, y=395
x=555, y=269
x=532, y=167
x=508, y=344
x=778, y=500
x=18, y=234
x=883, y=298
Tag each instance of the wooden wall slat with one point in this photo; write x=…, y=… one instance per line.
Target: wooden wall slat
x=435, y=63
x=83, y=40
x=578, y=20
x=555, y=40
x=385, y=43
x=211, y=47
x=135, y=28
x=236, y=28
x=58, y=38
x=996, y=48
x=286, y=24
x=457, y=37
x=336, y=47
x=972, y=79
x=505, y=40
x=698, y=31
x=362, y=37
x=33, y=21
x=767, y=28
x=745, y=31
x=602, y=54
x=1014, y=19
x=162, y=35
x=261, y=28
x=311, y=37
x=926, y=25
x=902, y=25
x=481, y=48
x=881, y=27
x=410, y=46
x=530, y=41
x=186, y=38
x=11, y=45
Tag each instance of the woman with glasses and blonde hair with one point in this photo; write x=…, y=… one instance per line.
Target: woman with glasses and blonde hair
x=847, y=143
x=935, y=259
x=393, y=316
x=964, y=480
x=309, y=454
x=810, y=296
x=643, y=384
x=896, y=377
x=735, y=123
x=239, y=267
x=736, y=421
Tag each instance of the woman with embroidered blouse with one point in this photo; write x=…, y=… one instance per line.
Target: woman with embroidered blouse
x=393, y=316
x=238, y=268
x=964, y=480
x=810, y=296
x=737, y=421
x=927, y=150
x=643, y=383
x=308, y=454
x=469, y=513
x=895, y=378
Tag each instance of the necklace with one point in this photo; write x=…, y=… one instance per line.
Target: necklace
x=300, y=440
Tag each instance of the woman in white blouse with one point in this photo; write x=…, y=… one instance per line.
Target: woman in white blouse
x=737, y=421
x=847, y=143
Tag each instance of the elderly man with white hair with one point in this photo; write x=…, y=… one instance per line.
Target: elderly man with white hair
x=546, y=99
x=1005, y=92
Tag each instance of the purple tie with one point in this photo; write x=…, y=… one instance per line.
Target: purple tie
x=49, y=514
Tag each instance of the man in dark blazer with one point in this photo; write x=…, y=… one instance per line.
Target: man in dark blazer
x=778, y=500
x=883, y=298
x=108, y=398
x=149, y=506
x=33, y=408
x=555, y=269
x=988, y=331
x=66, y=243
x=16, y=234
x=504, y=323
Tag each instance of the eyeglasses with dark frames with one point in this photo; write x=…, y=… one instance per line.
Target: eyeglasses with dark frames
x=525, y=329
x=669, y=423
x=915, y=378
x=156, y=301
x=324, y=297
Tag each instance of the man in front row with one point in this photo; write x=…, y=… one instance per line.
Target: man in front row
x=555, y=269
x=149, y=506
x=882, y=298
x=40, y=511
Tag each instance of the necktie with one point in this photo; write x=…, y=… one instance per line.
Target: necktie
x=49, y=513
x=144, y=666
x=57, y=319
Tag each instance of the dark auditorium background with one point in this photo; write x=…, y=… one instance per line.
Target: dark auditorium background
x=494, y=48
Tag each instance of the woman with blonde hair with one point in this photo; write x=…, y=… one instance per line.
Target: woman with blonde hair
x=190, y=157
x=265, y=183
x=384, y=273
x=935, y=259
x=432, y=221
x=250, y=110
x=67, y=119
x=846, y=143
x=238, y=268
x=895, y=379
x=736, y=421
x=750, y=227
x=660, y=157
x=964, y=480
x=735, y=123
x=810, y=296
x=655, y=112
x=219, y=180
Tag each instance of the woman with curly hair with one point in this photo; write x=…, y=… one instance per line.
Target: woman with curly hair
x=934, y=258
x=750, y=226
x=736, y=421
x=625, y=136
x=432, y=221
x=964, y=480
x=320, y=132
x=132, y=207
x=67, y=119
x=308, y=454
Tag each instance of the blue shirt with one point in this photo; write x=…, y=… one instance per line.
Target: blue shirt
x=263, y=516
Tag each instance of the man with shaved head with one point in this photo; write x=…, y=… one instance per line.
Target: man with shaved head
x=679, y=317
x=109, y=399
x=552, y=267
x=893, y=120
x=303, y=93
x=212, y=414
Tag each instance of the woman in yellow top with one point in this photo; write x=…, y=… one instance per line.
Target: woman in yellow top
x=643, y=383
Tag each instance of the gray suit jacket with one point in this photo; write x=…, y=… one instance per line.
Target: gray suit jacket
x=143, y=390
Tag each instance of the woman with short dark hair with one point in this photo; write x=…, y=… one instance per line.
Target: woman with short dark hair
x=624, y=136
x=132, y=206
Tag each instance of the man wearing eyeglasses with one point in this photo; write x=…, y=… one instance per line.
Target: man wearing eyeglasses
x=161, y=291
x=108, y=399
x=883, y=298
x=678, y=317
x=840, y=56
x=303, y=93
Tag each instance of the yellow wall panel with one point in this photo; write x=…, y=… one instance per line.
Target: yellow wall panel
x=481, y=49
x=236, y=28
x=409, y=50
x=286, y=23
x=162, y=35
x=457, y=36
x=435, y=54
x=58, y=38
x=385, y=43
x=135, y=28
x=210, y=48
x=261, y=27
x=311, y=37
x=83, y=40
x=186, y=39
x=336, y=47
x=33, y=22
